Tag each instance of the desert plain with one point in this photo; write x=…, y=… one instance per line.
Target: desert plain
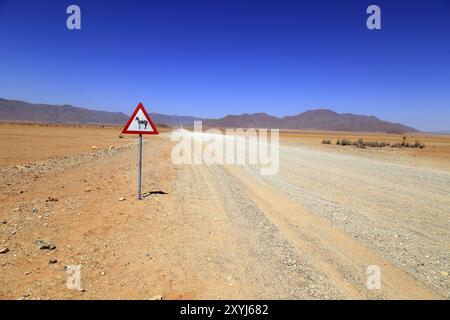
x=222, y=231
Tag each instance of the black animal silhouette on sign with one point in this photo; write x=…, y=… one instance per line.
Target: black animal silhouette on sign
x=141, y=122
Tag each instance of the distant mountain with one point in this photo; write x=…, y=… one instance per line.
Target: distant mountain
x=320, y=119
x=13, y=110
x=173, y=121
x=255, y=120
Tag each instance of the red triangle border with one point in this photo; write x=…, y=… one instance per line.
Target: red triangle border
x=125, y=129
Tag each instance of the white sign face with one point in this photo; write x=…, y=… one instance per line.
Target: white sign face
x=140, y=123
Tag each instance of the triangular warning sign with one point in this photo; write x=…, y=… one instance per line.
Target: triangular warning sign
x=140, y=122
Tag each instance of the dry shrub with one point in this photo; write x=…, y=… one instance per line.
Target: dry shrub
x=360, y=143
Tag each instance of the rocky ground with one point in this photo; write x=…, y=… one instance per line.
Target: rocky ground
x=224, y=231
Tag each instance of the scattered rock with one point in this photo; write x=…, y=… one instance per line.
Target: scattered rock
x=4, y=222
x=148, y=255
x=444, y=273
x=157, y=297
x=94, y=147
x=121, y=198
x=52, y=261
x=45, y=244
x=34, y=210
x=51, y=199
x=15, y=209
x=4, y=250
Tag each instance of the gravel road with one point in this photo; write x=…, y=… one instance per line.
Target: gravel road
x=400, y=211
x=312, y=230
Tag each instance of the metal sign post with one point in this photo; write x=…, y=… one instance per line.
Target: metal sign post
x=139, y=196
x=140, y=123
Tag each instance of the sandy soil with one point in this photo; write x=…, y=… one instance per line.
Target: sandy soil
x=220, y=231
x=27, y=143
x=436, y=151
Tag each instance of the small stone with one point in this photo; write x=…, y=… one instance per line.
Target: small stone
x=51, y=199
x=26, y=273
x=157, y=297
x=15, y=209
x=121, y=198
x=102, y=273
x=52, y=261
x=444, y=273
x=45, y=244
x=4, y=222
x=4, y=250
x=34, y=210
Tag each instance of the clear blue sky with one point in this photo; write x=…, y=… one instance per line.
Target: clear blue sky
x=210, y=58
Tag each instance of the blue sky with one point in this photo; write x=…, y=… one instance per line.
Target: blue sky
x=211, y=58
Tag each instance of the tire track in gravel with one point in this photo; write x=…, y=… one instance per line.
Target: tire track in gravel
x=277, y=270
x=234, y=248
x=335, y=253
x=371, y=200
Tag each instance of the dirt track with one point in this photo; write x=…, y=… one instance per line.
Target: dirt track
x=226, y=231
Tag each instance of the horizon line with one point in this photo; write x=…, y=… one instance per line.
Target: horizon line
x=230, y=114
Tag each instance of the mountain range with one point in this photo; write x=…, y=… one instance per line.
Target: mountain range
x=14, y=110
x=319, y=119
